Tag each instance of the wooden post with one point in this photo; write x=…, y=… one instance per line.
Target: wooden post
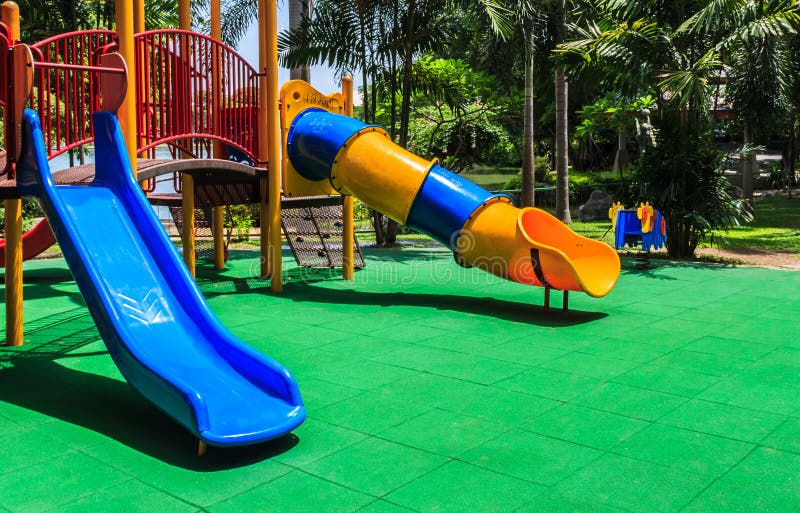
x=9, y=12
x=348, y=228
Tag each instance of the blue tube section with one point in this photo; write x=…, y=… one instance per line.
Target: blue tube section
x=314, y=141
x=444, y=203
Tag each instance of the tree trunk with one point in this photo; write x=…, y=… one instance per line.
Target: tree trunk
x=298, y=10
x=528, y=172
x=749, y=166
x=562, y=147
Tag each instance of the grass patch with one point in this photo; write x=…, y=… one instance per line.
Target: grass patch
x=776, y=227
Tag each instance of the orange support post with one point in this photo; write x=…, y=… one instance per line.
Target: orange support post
x=187, y=182
x=219, y=149
x=127, y=111
x=9, y=12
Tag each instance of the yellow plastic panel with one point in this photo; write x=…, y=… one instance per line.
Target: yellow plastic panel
x=380, y=173
x=296, y=96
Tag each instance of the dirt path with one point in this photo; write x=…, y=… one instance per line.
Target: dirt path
x=757, y=257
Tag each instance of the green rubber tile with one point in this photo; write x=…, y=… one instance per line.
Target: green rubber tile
x=128, y=497
x=429, y=390
x=685, y=450
x=754, y=395
x=722, y=420
x=654, y=309
x=668, y=380
x=313, y=336
x=635, y=402
x=554, y=502
x=370, y=412
x=407, y=332
x=56, y=482
x=374, y=466
x=318, y=393
x=360, y=324
x=22, y=417
x=296, y=492
x=364, y=347
x=633, y=485
x=382, y=506
x=220, y=474
x=451, y=364
x=597, y=367
x=24, y=447
x=317, y=439
x=557, y=338
x=772, y=373
x=656, y=336
x=462, y=343
x=443, y=432
x=786, y=437
x=711, y=364
x=632, y=350
x=520, y=352
x=730, y=347
x=531, y=457
x=503, y=407
x=766, y=481
x=585, y=426
x=73, y=436
x=556, y=385
x=461, y=488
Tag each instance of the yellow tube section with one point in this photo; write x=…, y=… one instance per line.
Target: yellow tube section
x=499, y=239
x=380, y=173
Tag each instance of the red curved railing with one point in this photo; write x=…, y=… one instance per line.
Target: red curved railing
x=193, y=88
x=65, y=97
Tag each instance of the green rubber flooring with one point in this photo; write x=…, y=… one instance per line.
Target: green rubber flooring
x=431, y=388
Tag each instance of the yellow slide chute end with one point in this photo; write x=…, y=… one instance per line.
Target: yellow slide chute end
x=532, y=247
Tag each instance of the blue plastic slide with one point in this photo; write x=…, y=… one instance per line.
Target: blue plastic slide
x=155, y=322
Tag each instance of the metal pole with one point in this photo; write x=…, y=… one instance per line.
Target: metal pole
x=348, y=229
x=9, y=12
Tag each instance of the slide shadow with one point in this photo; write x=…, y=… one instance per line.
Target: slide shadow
x=112, y=408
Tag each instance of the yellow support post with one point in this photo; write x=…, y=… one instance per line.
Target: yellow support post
x=219, y=150
x=9, y=12
x=187, y=182
x=348, y=228
x=127, y=111
x=273, y=130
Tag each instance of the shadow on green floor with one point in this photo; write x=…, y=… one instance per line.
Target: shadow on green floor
x=31, y=377
x=513, y=311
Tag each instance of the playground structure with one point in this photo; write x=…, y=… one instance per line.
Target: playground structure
x=102, y=222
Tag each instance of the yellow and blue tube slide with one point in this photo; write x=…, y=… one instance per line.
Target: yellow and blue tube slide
x=486, y=231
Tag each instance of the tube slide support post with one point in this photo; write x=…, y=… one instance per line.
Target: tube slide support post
x=268, y=24
x=187, y=207
x=9, y=12
x=348, y=228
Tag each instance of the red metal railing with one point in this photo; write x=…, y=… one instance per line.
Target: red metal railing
x=66, y=87
x=189, y=91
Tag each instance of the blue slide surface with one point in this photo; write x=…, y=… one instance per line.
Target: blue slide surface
x=154, y=320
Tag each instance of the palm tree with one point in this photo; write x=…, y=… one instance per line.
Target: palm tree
x=299, y=10
x=752, y=38
x=562, y=125
x=635, y=48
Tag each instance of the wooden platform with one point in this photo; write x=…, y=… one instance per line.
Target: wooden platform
x=218, y=182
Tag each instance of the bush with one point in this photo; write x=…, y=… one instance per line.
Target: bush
x=542, y=168
x=242, y=221
x=682, y=177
